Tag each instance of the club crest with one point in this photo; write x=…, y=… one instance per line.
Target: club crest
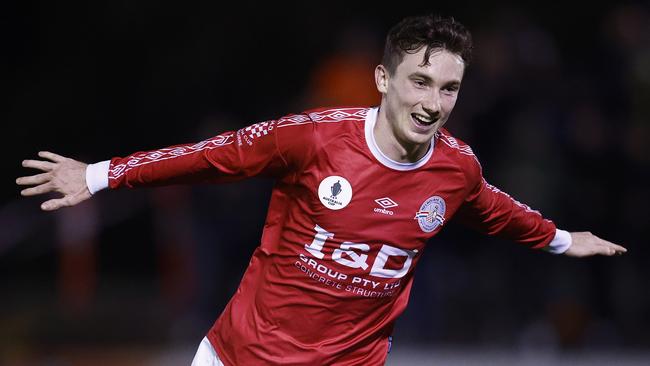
x=431, y=214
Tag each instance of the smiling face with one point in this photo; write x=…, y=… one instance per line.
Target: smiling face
x=416, y=101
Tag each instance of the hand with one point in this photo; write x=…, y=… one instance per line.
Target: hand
x=60, y=174
x=585, y=244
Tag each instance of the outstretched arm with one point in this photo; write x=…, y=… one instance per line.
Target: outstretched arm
x=260, y=149
x=59, y=174
x=493, y=212
x=585, y=244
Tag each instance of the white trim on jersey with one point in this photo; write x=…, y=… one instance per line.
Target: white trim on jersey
x=371, y=119
x=453, y=143
x=206, y=355
x=97, y=176
x=560, y=243
x=144, y=158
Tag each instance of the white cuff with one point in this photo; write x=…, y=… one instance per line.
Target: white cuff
x=97, y=176
x=560, y=243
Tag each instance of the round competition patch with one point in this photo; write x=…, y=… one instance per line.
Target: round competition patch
x=335, y=192
x=431, y=214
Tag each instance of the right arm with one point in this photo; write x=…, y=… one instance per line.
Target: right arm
x=228, y=157
x=260, y=149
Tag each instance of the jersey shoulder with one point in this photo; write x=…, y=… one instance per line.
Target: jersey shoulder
x=301, y=136
x=337, y=114
x=324, y=115
x=457, y=150
x=325, y=123
x=453, y=144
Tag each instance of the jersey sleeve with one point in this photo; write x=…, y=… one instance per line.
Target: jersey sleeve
x=270, y=148
x=493, y=212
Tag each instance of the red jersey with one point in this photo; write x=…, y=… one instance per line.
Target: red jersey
x=345, y=229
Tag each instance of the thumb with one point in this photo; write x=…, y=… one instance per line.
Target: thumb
x=54, y=204
x=66, y=201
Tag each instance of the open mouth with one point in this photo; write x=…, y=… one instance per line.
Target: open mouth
x=422, y=121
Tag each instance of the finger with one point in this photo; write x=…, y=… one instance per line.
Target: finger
x=33, y=179
x=52, y=156
x=39, y=164
x=612, y=250
x=616, y=247
x=54, y=204
x=33, y=191
x=608, y=251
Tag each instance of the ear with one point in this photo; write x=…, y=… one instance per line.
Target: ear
x=381, y=78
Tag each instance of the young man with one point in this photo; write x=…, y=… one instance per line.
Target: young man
x=358, y=193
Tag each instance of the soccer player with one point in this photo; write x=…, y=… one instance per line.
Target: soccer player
x=358, y=193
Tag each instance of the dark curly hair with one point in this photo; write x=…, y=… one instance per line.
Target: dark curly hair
x=430, y=31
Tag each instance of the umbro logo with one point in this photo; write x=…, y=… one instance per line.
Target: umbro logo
x=385, y=203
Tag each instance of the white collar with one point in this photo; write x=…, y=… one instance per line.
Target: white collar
x=371, y=119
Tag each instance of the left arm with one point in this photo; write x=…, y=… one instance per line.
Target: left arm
x=493, y=212
x=490, y=211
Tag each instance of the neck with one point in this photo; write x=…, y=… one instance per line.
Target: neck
x=392, y=146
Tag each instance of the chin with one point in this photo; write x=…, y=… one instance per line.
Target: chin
x=421, y=139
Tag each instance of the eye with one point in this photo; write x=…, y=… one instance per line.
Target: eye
x=450, y=89
x=419, y=83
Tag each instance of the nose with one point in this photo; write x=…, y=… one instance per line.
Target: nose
x=432, y=104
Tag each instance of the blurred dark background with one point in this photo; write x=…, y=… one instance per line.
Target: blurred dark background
x=556, y=106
